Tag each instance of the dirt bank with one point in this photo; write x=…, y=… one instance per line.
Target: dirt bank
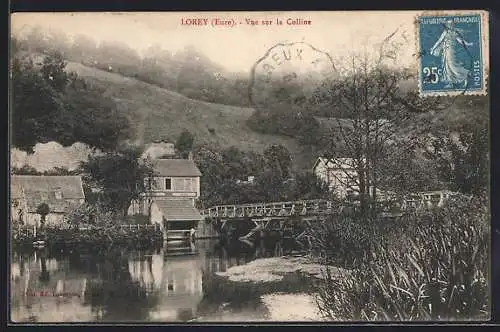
x=273, y=269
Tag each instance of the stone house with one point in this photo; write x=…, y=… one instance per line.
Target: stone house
x=62, y=194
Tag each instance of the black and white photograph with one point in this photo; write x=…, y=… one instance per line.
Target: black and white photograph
x=207, y=167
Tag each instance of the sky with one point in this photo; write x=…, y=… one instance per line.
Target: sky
x=237, y=48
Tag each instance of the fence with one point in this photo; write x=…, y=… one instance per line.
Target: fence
x=31, y=232
x=156, y=227
x=25, y=231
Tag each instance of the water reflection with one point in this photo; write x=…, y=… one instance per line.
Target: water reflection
x=173, y=283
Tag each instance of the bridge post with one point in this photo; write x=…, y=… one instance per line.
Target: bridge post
x=281, y=229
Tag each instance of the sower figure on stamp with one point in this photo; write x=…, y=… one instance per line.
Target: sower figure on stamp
x=446, y=47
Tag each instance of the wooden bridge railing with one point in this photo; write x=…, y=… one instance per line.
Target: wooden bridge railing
x=319, y=207
x=278, y=209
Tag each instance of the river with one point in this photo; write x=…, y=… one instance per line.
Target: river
x=176, y=283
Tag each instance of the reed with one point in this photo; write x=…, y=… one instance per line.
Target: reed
x=435, y=266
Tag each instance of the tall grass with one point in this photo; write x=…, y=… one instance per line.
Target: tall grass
x=427, y=266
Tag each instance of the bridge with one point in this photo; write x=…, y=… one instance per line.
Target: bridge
x=264, y=216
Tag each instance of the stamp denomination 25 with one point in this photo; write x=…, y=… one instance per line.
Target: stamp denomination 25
x=452, y=56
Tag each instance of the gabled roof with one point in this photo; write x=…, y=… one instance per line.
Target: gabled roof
x=175, y=167
x=39, y=189
x=335, y=163
x=178, y=209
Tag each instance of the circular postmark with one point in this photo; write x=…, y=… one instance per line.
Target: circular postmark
x=289, y=74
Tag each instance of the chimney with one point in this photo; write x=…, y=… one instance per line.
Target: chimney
x=190, y=155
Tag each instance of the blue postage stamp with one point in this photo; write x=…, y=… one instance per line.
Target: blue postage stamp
x=452, y=54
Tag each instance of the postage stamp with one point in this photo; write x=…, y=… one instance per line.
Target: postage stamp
x=453, y=54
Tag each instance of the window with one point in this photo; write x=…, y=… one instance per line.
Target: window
x=168, y=184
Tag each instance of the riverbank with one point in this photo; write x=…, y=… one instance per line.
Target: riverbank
x=276, y=268
x=73, y=237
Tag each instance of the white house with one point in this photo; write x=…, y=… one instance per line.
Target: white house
x=342, y=176
x=62, y=194
x=339, y=173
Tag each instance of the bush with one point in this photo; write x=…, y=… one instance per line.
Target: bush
x=438, y=269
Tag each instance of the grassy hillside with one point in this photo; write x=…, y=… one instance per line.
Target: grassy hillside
x=158, y=113
x=162, y=114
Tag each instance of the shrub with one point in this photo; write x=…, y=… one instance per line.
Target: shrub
x=439, y=269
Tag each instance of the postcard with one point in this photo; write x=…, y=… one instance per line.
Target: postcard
x=209, y=167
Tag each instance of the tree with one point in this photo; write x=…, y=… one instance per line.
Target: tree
x=462, y=158
x=308, y=186
x=36, y=106
x=93, y=119
x=43, y=210
x=221, y=171
x=380, y=105
x=278, y=160
x=120, y=175
x=185, y=142
x=51, y=104
x=407, y=170
x=53, y=71
x=214, y=175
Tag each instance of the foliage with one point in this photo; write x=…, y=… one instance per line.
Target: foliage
x=185, y=142
x=60, y=171
x=94, y=119
x=437, y=267
x=303, y=127
x=51, y=104
x=36, y=105
x=308, y=186
x=120, y=177
x=406, y=170
x=24, y=170
x=53, y=71
x=462, y=159
x=225, y=173
x=278, y=161
x=380, y=107
x=188, y=72
x=43, y=210
x=29, y=170
x=91, y=214
x=76, y=237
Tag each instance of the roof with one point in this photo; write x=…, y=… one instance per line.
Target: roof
x=42, y=189
x=178, y=209
x=336, y=163
x=176, y=167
